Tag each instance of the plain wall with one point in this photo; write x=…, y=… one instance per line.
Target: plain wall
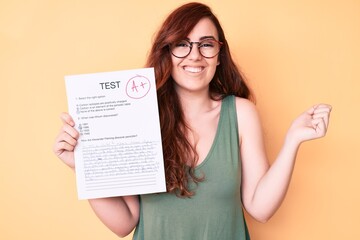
x=293, y=53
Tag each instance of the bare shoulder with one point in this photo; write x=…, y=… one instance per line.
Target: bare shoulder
x=245, y=108
x=247, y=115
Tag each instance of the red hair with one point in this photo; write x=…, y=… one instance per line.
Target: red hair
x=178, y=151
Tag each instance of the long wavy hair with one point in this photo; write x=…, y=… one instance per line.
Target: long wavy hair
x=177, y=150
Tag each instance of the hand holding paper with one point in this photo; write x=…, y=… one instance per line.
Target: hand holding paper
x=119, y=151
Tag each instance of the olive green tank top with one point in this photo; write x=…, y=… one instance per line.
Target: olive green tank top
x=215, y=211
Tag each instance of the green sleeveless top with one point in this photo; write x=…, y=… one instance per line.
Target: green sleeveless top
x=215, y=211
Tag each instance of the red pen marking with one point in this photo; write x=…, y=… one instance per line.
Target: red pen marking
x=137, y=87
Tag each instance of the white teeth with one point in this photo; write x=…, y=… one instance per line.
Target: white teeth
x=193, y=69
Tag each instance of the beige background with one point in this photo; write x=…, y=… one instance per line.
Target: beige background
x=294, y=54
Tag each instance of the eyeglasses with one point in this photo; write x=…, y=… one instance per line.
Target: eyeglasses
x=208, y=48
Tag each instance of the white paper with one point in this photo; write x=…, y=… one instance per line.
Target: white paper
x=119, y=151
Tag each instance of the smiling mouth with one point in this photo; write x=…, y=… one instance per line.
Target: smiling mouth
x=193, y=69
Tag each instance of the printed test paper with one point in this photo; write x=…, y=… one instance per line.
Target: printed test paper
x=119, y=151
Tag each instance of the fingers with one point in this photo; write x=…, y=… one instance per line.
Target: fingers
x=322, y=108
x=67, y=137
x=62, y=146
x=320, y=115
x=65, y=141
x=322, y=111
x=311, y=124
x=70, y=130
x=319, y=126
x=67, y=119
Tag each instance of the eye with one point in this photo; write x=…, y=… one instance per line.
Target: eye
x=182, y=44
x=207, y=44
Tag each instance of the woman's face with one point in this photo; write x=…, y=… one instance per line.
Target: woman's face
x=194, y=72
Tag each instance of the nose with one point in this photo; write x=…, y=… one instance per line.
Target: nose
x=194, y=52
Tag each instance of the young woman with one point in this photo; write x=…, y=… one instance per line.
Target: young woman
x=215, y=161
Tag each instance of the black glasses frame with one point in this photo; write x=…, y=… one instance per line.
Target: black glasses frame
x=199, y=47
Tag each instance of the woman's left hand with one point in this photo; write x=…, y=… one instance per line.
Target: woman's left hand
x=311, y=124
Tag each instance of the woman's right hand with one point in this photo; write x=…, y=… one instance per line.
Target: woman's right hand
x=66, y=141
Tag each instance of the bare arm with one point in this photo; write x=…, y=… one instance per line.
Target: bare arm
x=119, y=214
x=263, y=186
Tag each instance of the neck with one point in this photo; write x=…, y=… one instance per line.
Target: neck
x=195, y=104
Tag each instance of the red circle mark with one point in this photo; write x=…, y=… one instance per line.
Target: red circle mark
x=137, y=87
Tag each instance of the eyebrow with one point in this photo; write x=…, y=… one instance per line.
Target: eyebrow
x=204, y=37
